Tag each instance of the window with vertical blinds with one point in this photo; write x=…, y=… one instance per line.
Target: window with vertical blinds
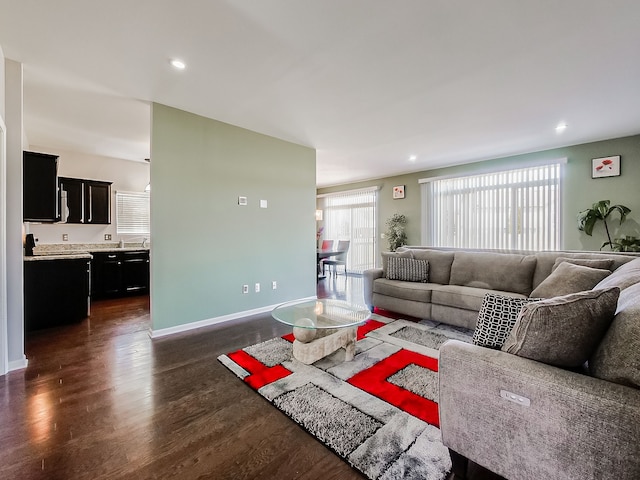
x=132, y=213
x=515, y=209
x=351, y=215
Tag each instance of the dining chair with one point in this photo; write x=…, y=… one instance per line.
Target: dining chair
x=340, y=259
x=326, y=245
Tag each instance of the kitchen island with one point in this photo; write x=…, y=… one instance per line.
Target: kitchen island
x=61, y=279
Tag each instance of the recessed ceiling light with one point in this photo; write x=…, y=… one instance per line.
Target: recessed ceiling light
x=561, y=127
x=179, y=64
x=413, y=158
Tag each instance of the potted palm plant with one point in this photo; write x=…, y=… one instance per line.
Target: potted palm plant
x=601, y=210
x=396, y=235
x=627, y=243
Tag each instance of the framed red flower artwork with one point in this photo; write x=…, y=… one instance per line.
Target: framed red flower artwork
x=398, y=191
x=605, y=167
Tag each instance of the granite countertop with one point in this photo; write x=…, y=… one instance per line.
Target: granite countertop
x=59, y=256
x=70, y=251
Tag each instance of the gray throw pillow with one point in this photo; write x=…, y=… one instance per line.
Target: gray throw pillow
x=387, y=255
x=617, y=358
x=563, y=331
x=407, y=269
x=603, y=263
x=569, y=278
x=623, y=277
x=496, y=318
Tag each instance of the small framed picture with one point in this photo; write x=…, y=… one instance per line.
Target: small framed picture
x=398, y=191
x=605, y=167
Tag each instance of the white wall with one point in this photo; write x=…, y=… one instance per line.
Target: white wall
x=4, y=357
x=1, y=83
x=125, y=175
x=14, y=250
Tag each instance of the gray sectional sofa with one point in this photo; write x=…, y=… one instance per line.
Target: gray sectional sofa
x=526, y=418
x=459, y=279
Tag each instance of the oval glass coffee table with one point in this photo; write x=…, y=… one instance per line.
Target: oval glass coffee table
x=320, y=327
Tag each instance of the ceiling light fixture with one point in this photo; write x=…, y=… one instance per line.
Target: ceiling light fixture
x=412, y=158
x=178, y=64
x=561, y=127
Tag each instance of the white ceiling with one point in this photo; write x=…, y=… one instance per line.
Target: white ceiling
x=366, y=82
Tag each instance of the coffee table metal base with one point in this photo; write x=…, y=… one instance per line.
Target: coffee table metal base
x=310, y=351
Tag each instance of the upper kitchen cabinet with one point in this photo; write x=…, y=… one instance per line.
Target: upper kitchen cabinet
x=40, y=187
x=98, y=199
x=85, y=201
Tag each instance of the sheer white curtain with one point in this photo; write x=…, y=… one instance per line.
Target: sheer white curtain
x=351, y=215
x=515, y=209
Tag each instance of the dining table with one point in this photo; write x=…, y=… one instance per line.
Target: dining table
x=325, y=253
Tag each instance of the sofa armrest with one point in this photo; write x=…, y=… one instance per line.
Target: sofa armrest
x=368, y=276
x=560, y=425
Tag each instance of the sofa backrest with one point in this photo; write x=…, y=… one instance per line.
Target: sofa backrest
x=439, y=264
x=547, y=259
x=443, y=269
x=506, y=272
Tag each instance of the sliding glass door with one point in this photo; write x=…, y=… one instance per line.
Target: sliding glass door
x=351, y=215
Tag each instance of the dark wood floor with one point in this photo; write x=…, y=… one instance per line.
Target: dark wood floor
x=101, y=400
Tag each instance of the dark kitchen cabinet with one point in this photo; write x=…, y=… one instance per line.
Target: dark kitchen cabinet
x=85, y=201
x=106, y=274
x=98, y=202
x=72, y=200
x=56, y=292
x=40, y=187
x=135, y=272
x=120, y=273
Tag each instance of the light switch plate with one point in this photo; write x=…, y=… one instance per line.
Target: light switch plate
x=264, y=204
x=242, y=200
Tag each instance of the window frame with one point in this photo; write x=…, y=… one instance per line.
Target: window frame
x=515, y=219
x=135, y=202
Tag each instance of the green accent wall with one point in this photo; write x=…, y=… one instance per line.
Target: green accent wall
x=204, y=246
x=579, y=190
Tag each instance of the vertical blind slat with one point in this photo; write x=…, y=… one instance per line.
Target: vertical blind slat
x=352, y=216
x=515, y=209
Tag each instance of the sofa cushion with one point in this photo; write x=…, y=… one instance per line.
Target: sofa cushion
x=387, y=255
x=497, y=316
x=439, y=264
x=617, y=358
x=419, y=292
x=407, y=269
x=494, y=271
x=569, y=278
x=468, y=298
x=563, y=331
x=603, y=263
x=623, y=277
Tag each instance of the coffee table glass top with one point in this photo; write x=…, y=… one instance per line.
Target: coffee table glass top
x=321, y=313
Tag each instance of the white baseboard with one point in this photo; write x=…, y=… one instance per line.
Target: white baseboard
x=18, y=364
x=163, y=332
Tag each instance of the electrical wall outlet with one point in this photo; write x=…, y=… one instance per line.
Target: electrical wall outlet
x=107, y=236
x=245, y=288
x=257, y=287
x=65, y=237
x=274, y=285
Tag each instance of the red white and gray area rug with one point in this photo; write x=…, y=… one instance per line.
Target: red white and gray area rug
x=379, y=412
